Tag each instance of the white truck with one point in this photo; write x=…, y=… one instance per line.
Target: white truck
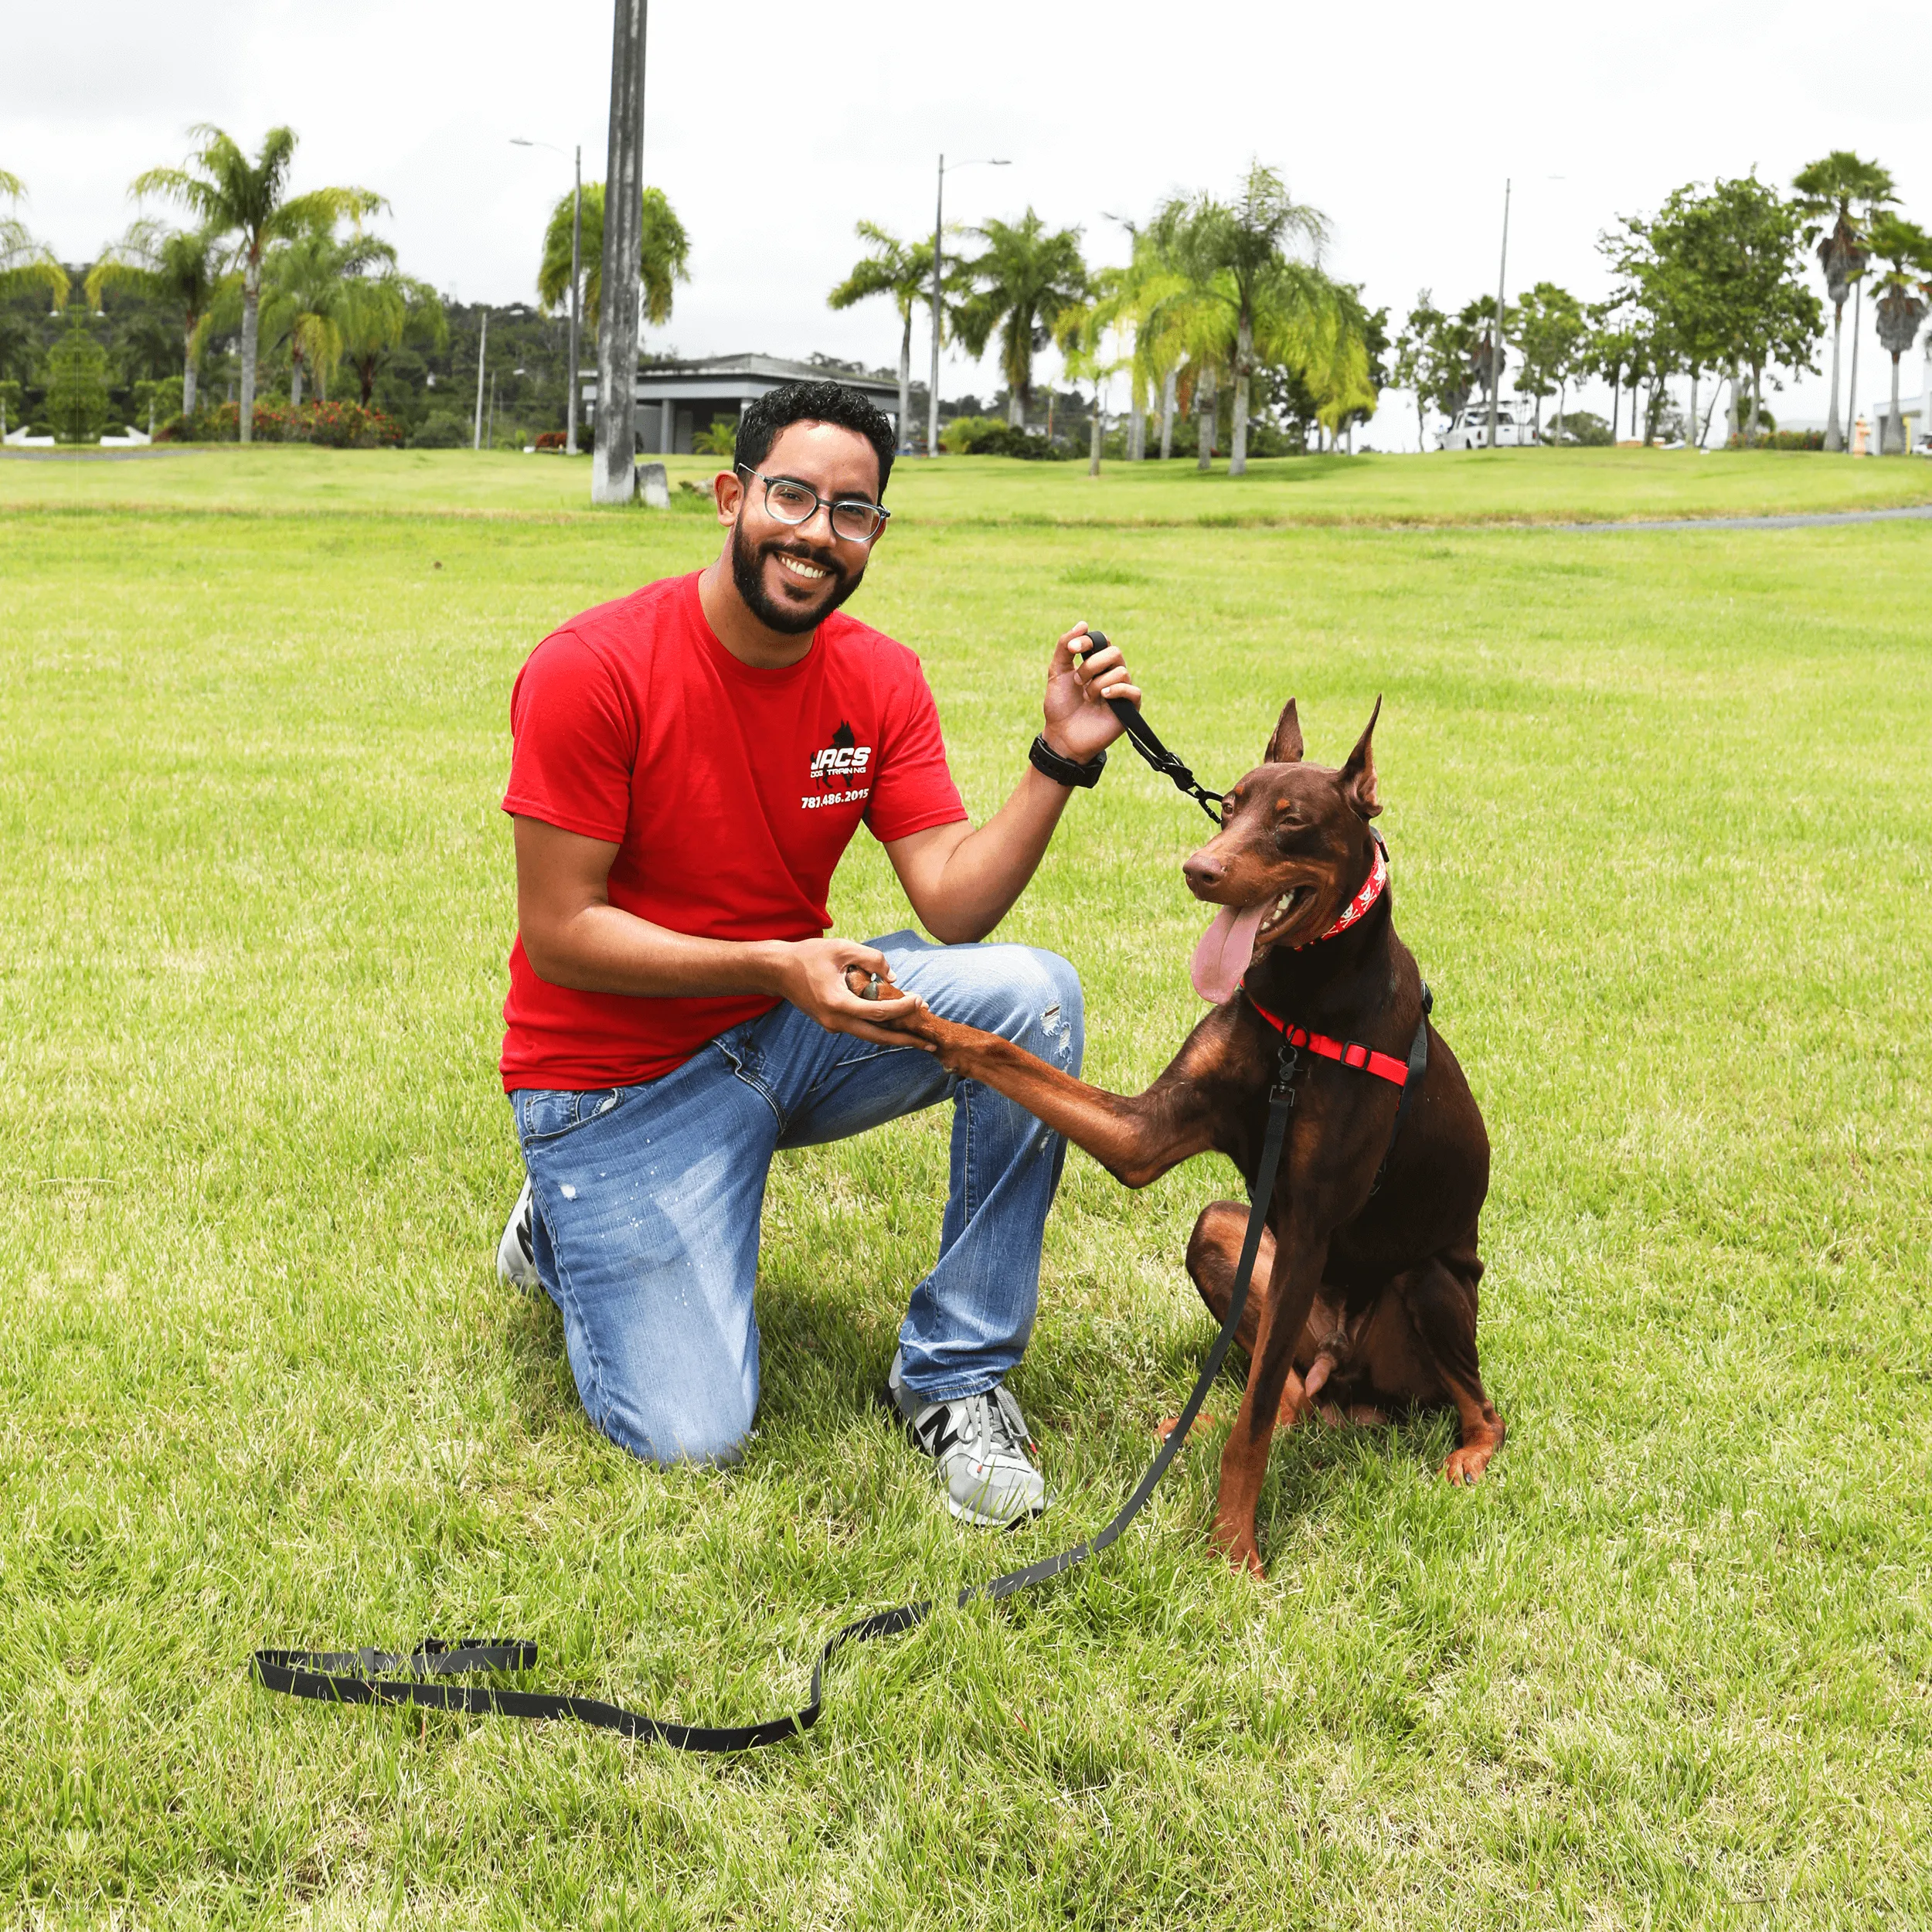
x=1469, y=429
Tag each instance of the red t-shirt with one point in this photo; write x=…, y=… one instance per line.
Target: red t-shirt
x=730, y=793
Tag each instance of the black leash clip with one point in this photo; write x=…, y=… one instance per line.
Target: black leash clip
x=1287, y=1071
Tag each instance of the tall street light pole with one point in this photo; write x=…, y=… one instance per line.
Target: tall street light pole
x=482, y=355
x=613, y=461
x=576, y=289
x=939, y=243
x=1495, y=335
x=576, y=306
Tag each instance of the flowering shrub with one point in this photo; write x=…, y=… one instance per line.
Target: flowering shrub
x=337, y=426
x=348, y=426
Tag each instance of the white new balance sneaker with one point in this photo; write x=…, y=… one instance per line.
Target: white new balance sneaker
x=516, y=1253
x=986, y=1453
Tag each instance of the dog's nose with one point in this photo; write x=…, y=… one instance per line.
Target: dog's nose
x=1203, y=872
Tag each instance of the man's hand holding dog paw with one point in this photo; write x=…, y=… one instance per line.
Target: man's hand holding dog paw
x=1079, y=720
x=820, y=976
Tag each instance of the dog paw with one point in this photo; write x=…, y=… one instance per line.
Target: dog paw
x=1465, y=1465
x=1238, y=1545
x=1165, y=1428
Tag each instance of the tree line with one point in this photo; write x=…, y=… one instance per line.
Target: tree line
x=1229, y=330
x=1714, y=287
x=279, y=295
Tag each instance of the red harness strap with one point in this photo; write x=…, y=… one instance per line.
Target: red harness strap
x=1385, y=1066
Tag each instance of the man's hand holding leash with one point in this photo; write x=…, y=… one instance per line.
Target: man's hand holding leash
x=1080, y=688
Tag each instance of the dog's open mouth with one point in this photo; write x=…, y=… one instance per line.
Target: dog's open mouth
x=1230, y=943
x=1286, y=909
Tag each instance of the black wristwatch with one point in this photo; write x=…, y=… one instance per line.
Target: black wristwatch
x=1063, y=771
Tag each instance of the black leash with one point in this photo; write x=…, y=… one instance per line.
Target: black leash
x=1147, y=741
x=351, y=1676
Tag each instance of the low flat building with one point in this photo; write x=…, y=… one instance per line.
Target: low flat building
x=676, y=400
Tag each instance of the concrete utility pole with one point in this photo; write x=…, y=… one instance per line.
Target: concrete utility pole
x=1495, y=335
x=482, y=350
x=1857, y=303
x=613, y=461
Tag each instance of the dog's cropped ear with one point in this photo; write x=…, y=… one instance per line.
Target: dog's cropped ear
x=1284, y=748
x=1359, y=774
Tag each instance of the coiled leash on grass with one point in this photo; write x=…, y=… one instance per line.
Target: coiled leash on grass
x=351, y=1676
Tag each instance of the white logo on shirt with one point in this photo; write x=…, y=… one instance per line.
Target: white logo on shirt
x=841, y=761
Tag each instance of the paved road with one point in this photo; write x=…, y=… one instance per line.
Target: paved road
x=1809, y=520
x=97, y=456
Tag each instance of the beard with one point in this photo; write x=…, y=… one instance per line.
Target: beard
x=789, y=620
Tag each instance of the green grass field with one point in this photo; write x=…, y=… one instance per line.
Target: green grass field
x=1469, y=487
x=1659, y=807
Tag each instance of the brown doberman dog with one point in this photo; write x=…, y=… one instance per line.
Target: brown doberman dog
x=1370, y=1258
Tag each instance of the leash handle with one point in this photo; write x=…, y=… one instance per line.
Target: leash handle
x=350, y=1676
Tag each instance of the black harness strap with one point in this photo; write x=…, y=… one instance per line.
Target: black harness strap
x=1418, y=1065
x=349, y=1677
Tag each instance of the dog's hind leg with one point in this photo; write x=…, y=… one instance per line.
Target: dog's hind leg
x=1214, y=1253
x=1442, y=1305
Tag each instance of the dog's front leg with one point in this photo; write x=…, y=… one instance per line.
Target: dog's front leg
x=1300, y=1255
x=1137, y=1138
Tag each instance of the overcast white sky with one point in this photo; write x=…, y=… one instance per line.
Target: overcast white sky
x=772, y=128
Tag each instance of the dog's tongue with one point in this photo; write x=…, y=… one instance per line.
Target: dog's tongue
x=1225, y=950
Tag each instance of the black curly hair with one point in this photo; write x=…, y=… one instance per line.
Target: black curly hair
x=818, y=402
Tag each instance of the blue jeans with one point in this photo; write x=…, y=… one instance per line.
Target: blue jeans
x=647, y=1198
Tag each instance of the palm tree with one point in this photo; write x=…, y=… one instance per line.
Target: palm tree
x=1828, y=190
x=377, y=314
x=248, y=200
x=176, y=269
x=667, y=252
x=1234, y=255
x=903, y=270
x=1900, y=310
x=1080, y=331
x=1024, y=280
x=23, y=260
x=304, y=288
x=1140, y=301
x=1341, y=375
x=24, y=264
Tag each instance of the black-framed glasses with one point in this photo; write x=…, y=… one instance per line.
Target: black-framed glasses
x=791, y=501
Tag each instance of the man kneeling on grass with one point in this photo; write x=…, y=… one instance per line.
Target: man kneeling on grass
x=690, y=764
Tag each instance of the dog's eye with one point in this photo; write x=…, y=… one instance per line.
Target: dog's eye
x=1296, y=835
